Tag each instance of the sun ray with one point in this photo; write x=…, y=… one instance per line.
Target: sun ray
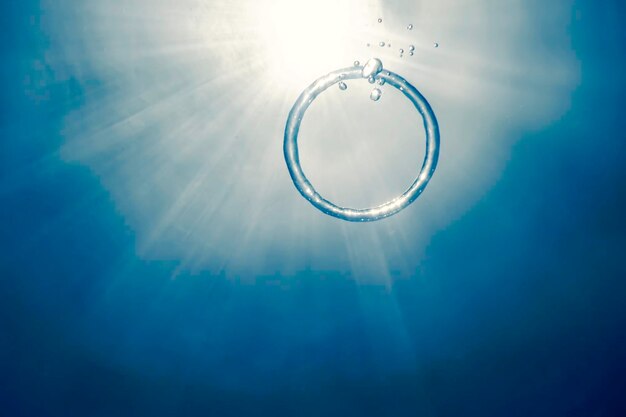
x=184, y=104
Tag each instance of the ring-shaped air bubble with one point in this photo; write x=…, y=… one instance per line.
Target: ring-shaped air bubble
x=290, y=147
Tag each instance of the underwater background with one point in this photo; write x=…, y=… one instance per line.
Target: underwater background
x=155, y=258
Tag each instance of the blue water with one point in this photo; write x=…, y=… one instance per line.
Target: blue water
x=515, y=308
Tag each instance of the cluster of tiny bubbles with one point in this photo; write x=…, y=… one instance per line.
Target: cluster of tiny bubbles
x=410, y=26
x=343, y=86
x=373, y=67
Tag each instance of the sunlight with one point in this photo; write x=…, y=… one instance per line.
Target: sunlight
x=303, y=40
x=183, y=104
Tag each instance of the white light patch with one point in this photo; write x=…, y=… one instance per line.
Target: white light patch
x=301, y=40
x=180, y=112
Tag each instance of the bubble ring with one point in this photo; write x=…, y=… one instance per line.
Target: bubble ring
x=290, y=147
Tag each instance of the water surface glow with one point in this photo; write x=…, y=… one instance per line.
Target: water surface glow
x=184, y=105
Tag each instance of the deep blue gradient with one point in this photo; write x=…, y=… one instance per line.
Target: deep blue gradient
x=518, y=308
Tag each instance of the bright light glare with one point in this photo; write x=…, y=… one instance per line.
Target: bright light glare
x=302, y=40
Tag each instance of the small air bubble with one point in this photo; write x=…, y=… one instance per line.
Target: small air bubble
x=371, y=80
x=410, y=26
x=411, y=48
x=410, y=53
x=342, y=86
x=372, y=67
x=380, y=20
x=381, y=43
x=401, y=51
x=381, y=81
x=375, y=94
x=357, y=63
x=436, y=45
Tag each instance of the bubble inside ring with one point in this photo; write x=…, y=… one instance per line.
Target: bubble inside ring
x=290, y=147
